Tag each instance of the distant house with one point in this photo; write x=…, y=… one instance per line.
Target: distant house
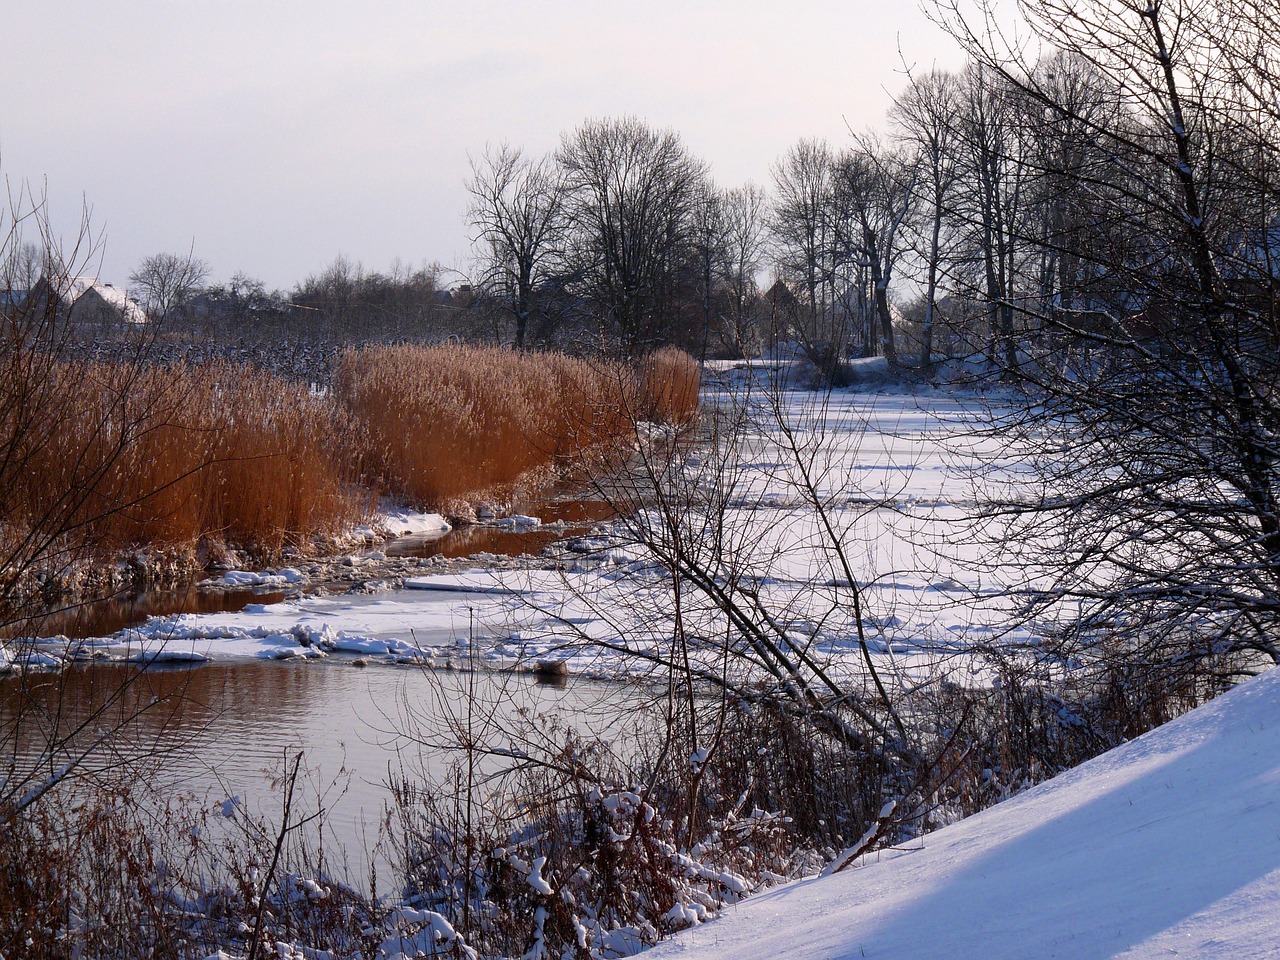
x=90, y=301
x=782, y=302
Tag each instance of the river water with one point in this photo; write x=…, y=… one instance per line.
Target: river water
x=223, y=730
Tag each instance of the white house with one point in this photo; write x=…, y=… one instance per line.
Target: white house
x=91, y=301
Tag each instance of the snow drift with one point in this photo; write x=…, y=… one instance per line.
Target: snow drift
x=1167, y=846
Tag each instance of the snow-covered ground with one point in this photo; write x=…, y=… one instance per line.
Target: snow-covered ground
x=1168, y=846
x=898, y=471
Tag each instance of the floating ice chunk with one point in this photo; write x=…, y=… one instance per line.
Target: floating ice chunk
x=519, y=521
x=456, y=584
x=12, y=661
x=247, y=578
x=403, y=522
x=165, y=655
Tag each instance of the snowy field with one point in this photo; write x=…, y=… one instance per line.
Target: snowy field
x=901, y=476
x=1168, y=846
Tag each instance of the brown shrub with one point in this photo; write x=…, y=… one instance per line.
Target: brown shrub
x=448, y=422
x=669, y=383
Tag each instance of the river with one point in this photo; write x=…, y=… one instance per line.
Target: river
x=223, y=730
x=563, y=515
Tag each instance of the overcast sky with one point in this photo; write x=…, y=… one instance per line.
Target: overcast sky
x=274, y=135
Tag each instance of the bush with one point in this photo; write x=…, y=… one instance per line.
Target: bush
x=571, y=857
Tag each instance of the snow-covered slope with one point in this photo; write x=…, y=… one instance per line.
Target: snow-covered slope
x=1166, y=847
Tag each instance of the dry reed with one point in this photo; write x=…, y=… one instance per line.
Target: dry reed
x=137, y=456
x=454, y=422
x=669, y=384
x=118, y=456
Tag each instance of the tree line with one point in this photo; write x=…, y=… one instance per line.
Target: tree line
x=1030, y=204
x=1007, y=209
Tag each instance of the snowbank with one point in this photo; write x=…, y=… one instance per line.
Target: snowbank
x=1167, y=846
x=392, y=521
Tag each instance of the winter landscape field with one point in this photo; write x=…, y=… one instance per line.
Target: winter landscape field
x=567, y=482
x=909, y=481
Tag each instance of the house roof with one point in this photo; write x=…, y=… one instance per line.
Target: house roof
x=71, y=289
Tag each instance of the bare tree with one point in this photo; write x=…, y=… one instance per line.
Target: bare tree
x=164, y=283
x=922, y=116
x=43, y=747
x=631, y=192
x=23, y=267
x=517, y=207
x=805, y=244
x=992, y=204
x=876, y=186
x=707, y=237
x=745, y=211
x=1160, y=446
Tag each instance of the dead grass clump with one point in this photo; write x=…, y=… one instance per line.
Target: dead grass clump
x=669, y=383
x=112, y=873
x=453, y=422
x=132, y=456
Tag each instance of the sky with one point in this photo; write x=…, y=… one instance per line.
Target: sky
x=270, y=137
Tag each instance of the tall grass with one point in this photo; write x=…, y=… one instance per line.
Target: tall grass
x=137, y=456
x=121, y=455
x=452, y=422
x=669, y=383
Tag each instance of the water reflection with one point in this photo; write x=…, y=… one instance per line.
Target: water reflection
x=222, y=730
x=104, y=617
x=465, y=541
x=558, y=517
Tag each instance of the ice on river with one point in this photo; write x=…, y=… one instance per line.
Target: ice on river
x=901, y=474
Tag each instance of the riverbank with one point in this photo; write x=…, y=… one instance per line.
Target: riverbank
x=1163, y=847
x=137, y=476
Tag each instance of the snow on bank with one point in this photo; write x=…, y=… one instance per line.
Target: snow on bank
x=394, y=521
x=900, y=494
x=1167, y=846
x=402, y=626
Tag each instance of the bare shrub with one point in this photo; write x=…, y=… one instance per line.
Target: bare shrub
x=576, y=851
x=111, y=874
x=448, y=422
x=669, y=383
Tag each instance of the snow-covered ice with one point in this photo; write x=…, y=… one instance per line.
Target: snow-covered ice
x=897, y=470
x=400, y=521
